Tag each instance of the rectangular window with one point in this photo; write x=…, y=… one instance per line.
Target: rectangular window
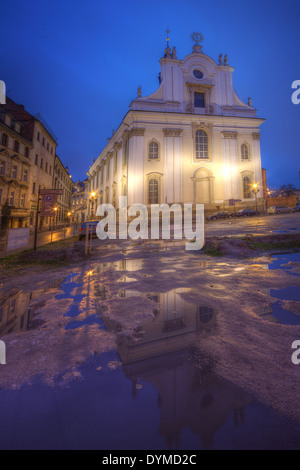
x=12, y=198
x=42, y=163
x=46, y=167
x=50, y=170
x=33, y=188
x=2, y=168
x=16, y=146
x=4, y=140
x=14, y=172
x=1, y=191
x=25, y=175
x=36, y=159
x=38, y=136
x=22, y=200
x=199, y=100
x=27, y=152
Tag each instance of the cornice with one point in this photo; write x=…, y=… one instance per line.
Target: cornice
x=255, y=135
x=136, y=131
x=172, y=132
x=229, y=134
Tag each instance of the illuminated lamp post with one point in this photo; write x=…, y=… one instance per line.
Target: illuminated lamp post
x=93, y=199
x=55, y=216
x=255, y=190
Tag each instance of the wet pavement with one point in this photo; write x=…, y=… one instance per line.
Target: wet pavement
x=154, y=348
x=262, y=225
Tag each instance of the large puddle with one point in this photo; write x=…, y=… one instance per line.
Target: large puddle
x=156, y=388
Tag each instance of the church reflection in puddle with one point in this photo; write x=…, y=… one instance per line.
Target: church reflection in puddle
x=175, y=327
x=190, y=395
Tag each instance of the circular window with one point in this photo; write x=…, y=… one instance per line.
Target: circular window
x=197, y=74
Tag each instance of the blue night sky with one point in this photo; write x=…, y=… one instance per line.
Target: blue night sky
x=79, y=64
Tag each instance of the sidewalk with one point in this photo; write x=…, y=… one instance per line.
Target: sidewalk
x=44, y=238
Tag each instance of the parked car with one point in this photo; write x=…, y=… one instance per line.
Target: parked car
x=279, y=210
x=296, y=209
x=246, y=213
x=82, y=230
x=220, y=215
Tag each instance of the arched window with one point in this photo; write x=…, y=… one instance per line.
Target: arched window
x=245, y=152
x=201, y=144
x=247, y=187
x=153, y=150
x=153, y=191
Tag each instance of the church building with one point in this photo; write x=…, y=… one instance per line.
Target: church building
x=191, y=141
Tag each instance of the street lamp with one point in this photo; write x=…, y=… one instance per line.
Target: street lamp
x=55, y=216
x=92, y=199
x=255, y=190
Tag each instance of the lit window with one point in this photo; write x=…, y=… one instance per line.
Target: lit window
x=247, y=187
x=245, y=152
x=22, y=200
x=201, y=144
x=153, y=191
x=153, y=150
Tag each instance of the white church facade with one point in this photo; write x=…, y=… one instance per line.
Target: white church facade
x=192, y=141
